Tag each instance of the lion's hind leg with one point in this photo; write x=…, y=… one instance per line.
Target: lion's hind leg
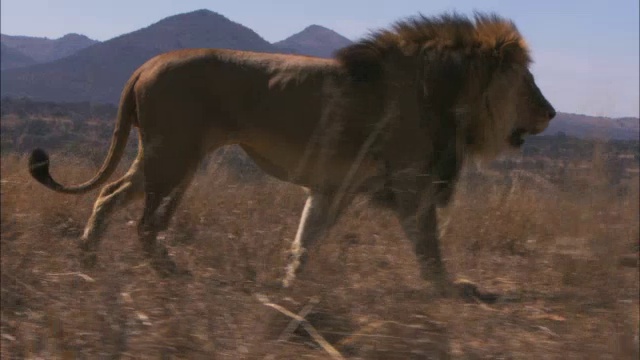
x=112, y=197
x=166, y=180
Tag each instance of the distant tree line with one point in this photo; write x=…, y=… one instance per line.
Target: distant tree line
x=26, y=107
x=72, y=126
x=562, y=146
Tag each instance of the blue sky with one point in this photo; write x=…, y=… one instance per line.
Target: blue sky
x=586, y=52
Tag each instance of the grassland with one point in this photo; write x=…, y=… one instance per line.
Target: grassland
x=563, y=252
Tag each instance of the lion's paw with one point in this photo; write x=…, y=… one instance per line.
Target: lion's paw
x=468, y=291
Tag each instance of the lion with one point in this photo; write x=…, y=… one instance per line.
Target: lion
x=392, y=116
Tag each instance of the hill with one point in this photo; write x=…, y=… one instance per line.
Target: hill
x=43, y=50
x=314, y=40
x=585, y=126
x=98, y=73
x=11, y=58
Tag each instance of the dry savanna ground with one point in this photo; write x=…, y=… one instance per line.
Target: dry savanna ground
x=557, y=253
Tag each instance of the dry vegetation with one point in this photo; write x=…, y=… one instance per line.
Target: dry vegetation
x=554, y=250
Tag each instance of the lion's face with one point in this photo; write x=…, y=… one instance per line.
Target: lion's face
x=533, y=111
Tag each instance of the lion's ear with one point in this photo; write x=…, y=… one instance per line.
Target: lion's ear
x=512, y=52
x=362, y=62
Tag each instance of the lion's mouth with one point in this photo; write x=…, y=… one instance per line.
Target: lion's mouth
x=516, y=139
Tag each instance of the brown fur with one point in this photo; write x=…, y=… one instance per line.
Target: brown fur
x=394, y=115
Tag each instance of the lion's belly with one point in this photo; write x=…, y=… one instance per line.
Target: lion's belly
x=309, y=167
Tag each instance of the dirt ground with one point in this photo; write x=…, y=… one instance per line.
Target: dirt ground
x=565, y=261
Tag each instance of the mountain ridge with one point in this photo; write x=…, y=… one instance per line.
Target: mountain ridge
x=43, y=49
x=92, y=74
x=314, y=40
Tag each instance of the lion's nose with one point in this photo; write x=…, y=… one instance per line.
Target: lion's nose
x=552, y=113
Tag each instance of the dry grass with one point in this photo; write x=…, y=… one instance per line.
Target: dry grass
x=555, y=254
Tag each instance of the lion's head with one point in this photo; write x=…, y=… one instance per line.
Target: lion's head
x=533, y=111
x=470, y=74
x=511, y=107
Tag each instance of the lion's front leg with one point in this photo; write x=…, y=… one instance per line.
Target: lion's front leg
x=418, y=217
x=420, y=226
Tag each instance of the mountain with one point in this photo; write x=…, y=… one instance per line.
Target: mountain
x=584, y=126
x=314, y=40
x=45, y=50
x=98, y=73
x=11, y=58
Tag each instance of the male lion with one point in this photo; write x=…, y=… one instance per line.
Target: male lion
x=393, y=116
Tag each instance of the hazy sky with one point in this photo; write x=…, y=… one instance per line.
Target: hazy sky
x=586, y=52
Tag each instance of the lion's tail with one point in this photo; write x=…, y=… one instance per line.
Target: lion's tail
x=39, y=160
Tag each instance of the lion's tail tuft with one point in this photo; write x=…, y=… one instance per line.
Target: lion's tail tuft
x=39, y=160
x=39, y=168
